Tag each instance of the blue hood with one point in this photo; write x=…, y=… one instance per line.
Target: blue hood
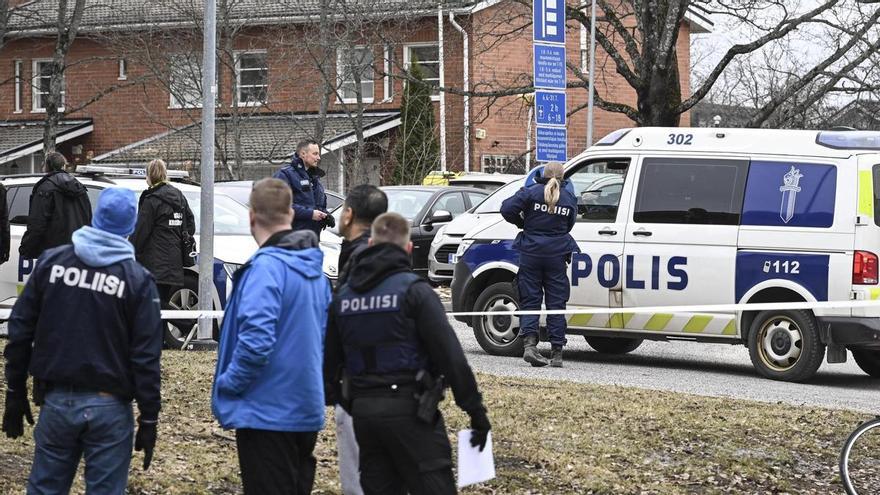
x=298, y=250
x=99, y=248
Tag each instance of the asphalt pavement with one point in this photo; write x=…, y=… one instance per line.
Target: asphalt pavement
x=717, y=370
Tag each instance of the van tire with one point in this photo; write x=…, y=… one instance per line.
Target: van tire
x=613, y=345
x=174, y=332
x=498, y=335
x=868, y=361
x=785, y=345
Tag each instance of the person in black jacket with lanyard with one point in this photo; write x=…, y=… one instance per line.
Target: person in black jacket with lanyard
x=546, y=212
x=388, y=334
x=59, y=205
x=164, y=219
x=87, y=327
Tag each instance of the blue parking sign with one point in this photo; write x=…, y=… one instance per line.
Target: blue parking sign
x=548, y=21
x=550, y=107
x=549, y=65
x=552, y=144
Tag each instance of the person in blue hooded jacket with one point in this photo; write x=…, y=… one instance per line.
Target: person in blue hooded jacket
x=304, y=178
x=546, y=212
x=87, y=327
x=268, y=385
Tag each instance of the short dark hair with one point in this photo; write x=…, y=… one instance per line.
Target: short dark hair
x=305, y=143
x=55, y=161
x=366, y=202
x=390, y=228
x=270, y=201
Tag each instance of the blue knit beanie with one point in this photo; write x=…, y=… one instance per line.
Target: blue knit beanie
x=116, y=212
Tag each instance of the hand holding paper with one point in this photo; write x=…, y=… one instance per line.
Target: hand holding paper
x=475, y=463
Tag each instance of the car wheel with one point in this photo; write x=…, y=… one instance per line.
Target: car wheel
x=498, y=335
x=613, y=345
x=785, y=345
x=185, y=298
x=868, y=361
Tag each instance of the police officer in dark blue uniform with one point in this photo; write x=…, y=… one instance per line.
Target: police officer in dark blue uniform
x=388, y=334
x=309, y=200
x=546, y=211
x=87, y=327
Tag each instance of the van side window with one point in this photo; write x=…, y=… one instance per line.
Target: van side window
x=19, y=203
x=597, y=187
x=876, y=176
x=691, y=191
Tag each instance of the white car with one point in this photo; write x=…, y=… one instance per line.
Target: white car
x=233, y=243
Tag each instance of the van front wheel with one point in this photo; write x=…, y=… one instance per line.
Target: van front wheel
x=498, y=335
x=785, y=345
x=868, y=361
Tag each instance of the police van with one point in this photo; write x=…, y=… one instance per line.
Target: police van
x=708, y=217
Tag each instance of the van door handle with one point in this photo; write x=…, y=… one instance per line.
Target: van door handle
x=607, y=232
x=643, y=233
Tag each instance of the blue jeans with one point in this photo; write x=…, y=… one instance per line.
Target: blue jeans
x=543, y=279
x=72, y=425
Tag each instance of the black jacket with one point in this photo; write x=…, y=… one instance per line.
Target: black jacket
x=422, y=305
x=4, y=226
x=59, y=205
x=108, y=338
x=162, y=214
x=348, y=254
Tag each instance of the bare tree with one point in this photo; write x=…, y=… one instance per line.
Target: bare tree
x=66, y=27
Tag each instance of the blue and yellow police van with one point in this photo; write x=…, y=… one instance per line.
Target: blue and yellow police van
x=708, y=216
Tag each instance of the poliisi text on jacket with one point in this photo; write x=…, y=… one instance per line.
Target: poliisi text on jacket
x=84, y=279
x=371, y=304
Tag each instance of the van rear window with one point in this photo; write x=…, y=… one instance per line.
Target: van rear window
x=876, y=188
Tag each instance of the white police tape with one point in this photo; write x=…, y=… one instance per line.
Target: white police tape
x=697, y=308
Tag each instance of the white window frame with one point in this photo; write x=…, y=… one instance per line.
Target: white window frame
x=18, y=94
x=35, y=93
x=237, y=96
x=339, y=77
x=123, y=69
x=172, y=99
x=387, y=82
x=407, y=56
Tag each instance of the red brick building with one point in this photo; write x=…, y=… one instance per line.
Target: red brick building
x=132, y=81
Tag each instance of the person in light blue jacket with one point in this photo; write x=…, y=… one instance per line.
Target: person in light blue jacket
x=268, y=385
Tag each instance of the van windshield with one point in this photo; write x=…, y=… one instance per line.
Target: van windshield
x=492, y=204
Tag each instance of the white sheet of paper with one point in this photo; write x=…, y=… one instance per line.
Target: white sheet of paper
x=474, y=466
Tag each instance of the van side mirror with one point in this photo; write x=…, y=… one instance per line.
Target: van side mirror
x=440, y=216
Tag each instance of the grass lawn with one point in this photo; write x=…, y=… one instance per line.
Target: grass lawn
x=550, y=438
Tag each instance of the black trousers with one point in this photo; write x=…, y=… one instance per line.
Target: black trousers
x=400, y=454
x=276, y=462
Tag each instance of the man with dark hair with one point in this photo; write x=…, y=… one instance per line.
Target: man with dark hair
x=59, y=205
x=87, y=327
x=362, y=205
x=388, y=333
x=267, y=384
x=309, y=200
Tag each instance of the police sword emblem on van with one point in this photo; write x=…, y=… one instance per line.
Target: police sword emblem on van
x=789, y=190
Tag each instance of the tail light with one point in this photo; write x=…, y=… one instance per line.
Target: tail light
x=864, y=268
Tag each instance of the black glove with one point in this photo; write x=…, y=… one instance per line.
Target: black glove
x=146, y=440
x=329, y=221
x=17, y=408
x=480, y=427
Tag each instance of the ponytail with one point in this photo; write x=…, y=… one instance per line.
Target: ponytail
x=551, y=193
x=553, y=172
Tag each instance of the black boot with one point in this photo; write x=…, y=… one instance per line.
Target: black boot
x=556, y=356
x=530, y=352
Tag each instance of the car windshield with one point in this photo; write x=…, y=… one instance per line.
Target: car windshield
x=407, y=202
x=242, y=194
x=492, y=204
x=230, y=216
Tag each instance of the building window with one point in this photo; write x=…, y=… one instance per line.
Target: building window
x=18, y=65
x=185, y=80
x=252, y=78
x=123, y=69
x=428, y=58
x=351, y=62
x=387, y=82
x=42, y=77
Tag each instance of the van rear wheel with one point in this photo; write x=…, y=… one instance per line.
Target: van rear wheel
x=868, y=361
x=498, y=335
x=785, y=345
x=184, y=298
x=613, y=345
